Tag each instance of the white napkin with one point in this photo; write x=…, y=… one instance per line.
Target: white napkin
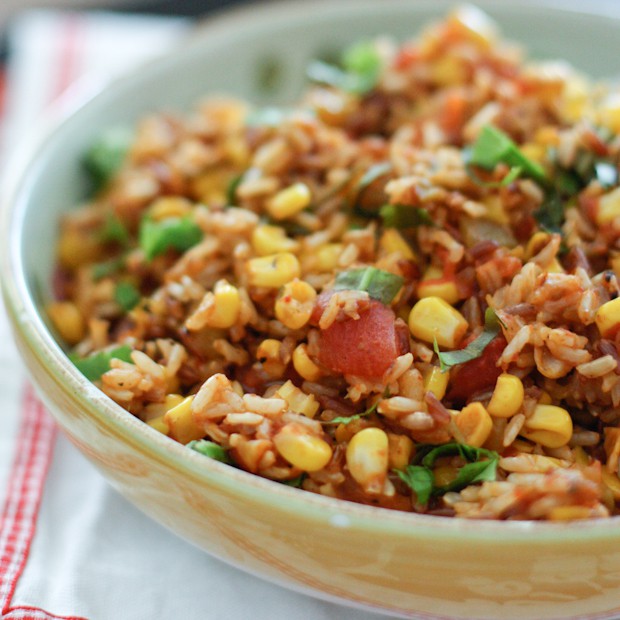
x=70, y=546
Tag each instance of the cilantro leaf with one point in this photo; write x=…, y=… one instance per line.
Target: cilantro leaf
x=106, y=155
x=93, y=366
x=379, y=284
x=475, y=348
x=114, y=230
x=420, y=480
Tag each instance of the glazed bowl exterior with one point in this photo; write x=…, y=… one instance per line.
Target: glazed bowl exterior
x=403, y=564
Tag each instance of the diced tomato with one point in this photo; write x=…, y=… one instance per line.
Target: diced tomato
x=478, y=374
x=365, y=347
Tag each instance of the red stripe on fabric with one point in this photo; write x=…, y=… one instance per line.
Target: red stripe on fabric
x=70, y=44
x=35, y=442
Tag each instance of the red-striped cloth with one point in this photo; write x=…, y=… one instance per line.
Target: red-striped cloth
x=70, y=547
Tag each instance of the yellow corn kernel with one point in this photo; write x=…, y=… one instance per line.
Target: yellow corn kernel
x=159, y=424
x=436, y=381
x=181, y=423
x=211, y=186
x=448, y=70
x=289, y=201
x=344, y=432
x=608, y=207
x=169, y=207
x=68, y=320
x=304, y=366
x=327, y=256
x=474, y=424
x=495, y=210
x=237, y=151
x=76, y=248
x=267, y=239
x=298, y=401
x=433, y=284
x=550, y=426
x=609, y=112
x=581, y=457
x=535, y=152
x=608, y=317
x=226, y=305
x=392, y=241
x=433, y=317
x=612, y=482
x=536, y=243
x=569, y=513
x=268, y=353
x=295, y=303
x=400, y=450
x=367, y=459
x=507, y=396
x=273, y=271
x=301, y=449
x=547, y=136
x=444, y=475
x=545, y=398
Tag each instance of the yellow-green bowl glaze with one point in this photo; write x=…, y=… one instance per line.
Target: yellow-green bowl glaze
x=408, y=565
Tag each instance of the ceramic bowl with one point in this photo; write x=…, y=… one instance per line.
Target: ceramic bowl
x=404, y=564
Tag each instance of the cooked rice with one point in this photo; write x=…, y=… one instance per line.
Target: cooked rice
x=332, y=387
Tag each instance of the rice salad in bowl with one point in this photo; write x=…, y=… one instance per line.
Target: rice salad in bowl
x=400, y=292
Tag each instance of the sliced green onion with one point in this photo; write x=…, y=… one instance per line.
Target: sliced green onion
x=126, y=296
x=114, y=231
x=93, y=366
x=475, y=348
x=379, y=284
x=107, y=268
x=494, y=146
x=106, y=155
x=361, y=67
x=404, y=216
x=158, y=237
x=209, y=448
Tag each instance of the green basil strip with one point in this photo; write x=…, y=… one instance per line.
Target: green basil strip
x=356, y=416
x=106, y=155
x=475, y=348
x=379, y=284
x=93, y=366
x=209, y=448
x=494, y=146
x=178, y=233
x=126, y=296
x=404, y=216
x=550, y=214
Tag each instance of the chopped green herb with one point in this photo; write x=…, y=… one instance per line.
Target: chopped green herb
x=379, y=284
x=209, y=448
x=356, y=416
x=420, y=480
x=513, y=174
x=475, y=348
x=114, y=231
x=480, y=466
x=494, y=146
x=231, y=190
x=550, y=214
x=106, y=155
x=361, y=66
x=93, y=366
x=107, y=268
x=126, y=296
x=295, y=482
x=404, y=216
x=178, y=233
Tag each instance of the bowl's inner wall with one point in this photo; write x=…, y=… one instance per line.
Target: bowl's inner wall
x=236, y=60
